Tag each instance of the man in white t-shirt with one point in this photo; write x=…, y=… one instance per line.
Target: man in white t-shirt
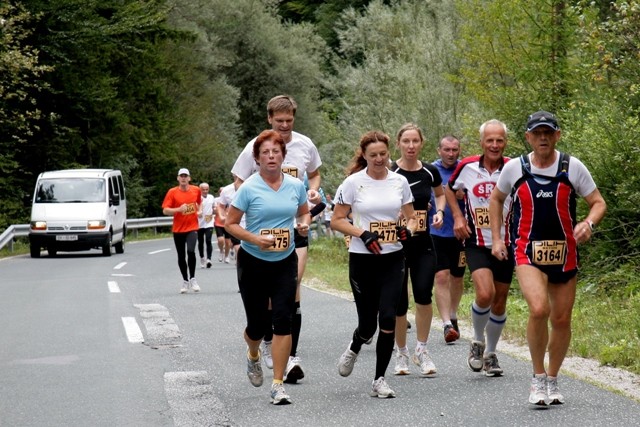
x=302, y=157
x=205, y=226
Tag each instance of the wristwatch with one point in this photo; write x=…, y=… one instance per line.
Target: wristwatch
x=591, y=224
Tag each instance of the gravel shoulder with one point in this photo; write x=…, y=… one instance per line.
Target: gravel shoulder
x=589, y=370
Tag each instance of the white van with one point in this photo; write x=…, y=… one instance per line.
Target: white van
x=78, y=209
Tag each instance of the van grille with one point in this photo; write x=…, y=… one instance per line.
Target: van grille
x=75, y=228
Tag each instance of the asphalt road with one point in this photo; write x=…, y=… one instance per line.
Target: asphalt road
x=67, y=359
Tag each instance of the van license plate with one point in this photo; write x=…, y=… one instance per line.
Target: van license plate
x=67, y=237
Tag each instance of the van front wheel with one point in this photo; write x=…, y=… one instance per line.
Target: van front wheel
x=35, y=251
x=106, y=248
x=119, y=246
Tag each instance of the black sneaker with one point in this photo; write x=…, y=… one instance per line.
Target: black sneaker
x=454, y=322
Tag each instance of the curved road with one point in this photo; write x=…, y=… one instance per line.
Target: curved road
x=95, y=341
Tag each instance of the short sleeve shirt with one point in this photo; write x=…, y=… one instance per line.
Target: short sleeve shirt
x=267, y=209
x=192, y=197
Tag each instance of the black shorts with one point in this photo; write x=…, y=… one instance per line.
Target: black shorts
x=451, y=255
x=478, y=258
x=219, y=230
x=300, y=241
x=234, y=241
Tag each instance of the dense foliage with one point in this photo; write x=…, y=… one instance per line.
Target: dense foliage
x=148, y=86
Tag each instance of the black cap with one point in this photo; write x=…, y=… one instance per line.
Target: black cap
x=542, y=118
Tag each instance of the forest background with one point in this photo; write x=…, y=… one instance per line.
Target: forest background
x=150, y=86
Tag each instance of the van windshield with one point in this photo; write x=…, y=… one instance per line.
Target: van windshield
x=71, y=190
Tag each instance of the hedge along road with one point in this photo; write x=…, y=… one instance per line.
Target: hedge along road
x=190, y=370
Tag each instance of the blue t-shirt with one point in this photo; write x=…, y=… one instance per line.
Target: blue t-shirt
x=272, y=212
x=447, y=227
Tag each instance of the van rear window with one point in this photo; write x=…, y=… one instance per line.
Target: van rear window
x=70, y=190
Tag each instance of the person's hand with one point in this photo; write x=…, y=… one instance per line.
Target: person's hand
x=266, y=241
x=403, y=233
x=461, y=228
x=499, y=250
x=438, y=219
x=582, y=232
x=303, y=229
x=371, y=242
x=314, y=197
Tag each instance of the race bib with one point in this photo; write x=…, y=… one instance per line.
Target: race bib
x=386, y=230
x=293, y=171
x=347, y=240
x=281, y=236
x=191, y=209
x=482, y=218
x=462, y=259
x=549, y=252
x=421, y=219
x=207, y=218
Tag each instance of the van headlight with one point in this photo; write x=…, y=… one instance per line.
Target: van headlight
x=96, y=224
x=38, y=225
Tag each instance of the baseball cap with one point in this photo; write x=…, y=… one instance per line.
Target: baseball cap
x=542, y=118
x=184, y=171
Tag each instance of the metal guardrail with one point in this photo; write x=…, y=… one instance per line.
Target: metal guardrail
x=22, y=230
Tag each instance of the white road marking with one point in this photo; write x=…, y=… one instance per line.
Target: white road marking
x=161, y=250
x=113, y=287
x=122, y=275
x=119, y=266
x=134, y=334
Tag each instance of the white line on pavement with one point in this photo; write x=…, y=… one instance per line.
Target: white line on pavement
x=157, y=252
x=119, y=266
x=134, y=334
x=113, y=287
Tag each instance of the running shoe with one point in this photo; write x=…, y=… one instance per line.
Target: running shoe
x=402, y=363
x=202, y=262
x=185, y=287
x=227, y=260
x=423, y=360
x=293, y=373
x=254, y=370
x=538, y=393
x=265, y=348
x=450, y=334
x=346, y=362
x=380, y=388
x=553, y=391
x=278, y=395
x=454, y=322
x=220, y=258
x=475, y=361
x=490, y=366
x=209, y=263
x=194, y=285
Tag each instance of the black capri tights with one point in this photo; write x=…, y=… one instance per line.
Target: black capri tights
x=260, y=280
x=420, y=262
x=376, y=282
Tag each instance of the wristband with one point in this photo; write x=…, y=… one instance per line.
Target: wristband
x=441, y=211
x=591, y=224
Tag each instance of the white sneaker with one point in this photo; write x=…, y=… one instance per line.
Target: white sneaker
x=220, y=258
x=202, y=262
x=402, y=363
x=209, y=263
x=278, y=395
x=194, y=285
x=227, y=260
x=538, y=392
x=185, y=287
x=423, y=360
x=553, y=391
x=294, y=371
x=380, y=388
x=254, y=370
x=265, y=348
x=346, y=362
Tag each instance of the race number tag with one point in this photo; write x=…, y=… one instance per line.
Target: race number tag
x=482, y=218
x=191, y=209
x=462, y=259
x=347, y=240
x=421, y=219
x=207, y=218
x=549, y=252
x=281, y=236
x=293, y=171
x=386, y=230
